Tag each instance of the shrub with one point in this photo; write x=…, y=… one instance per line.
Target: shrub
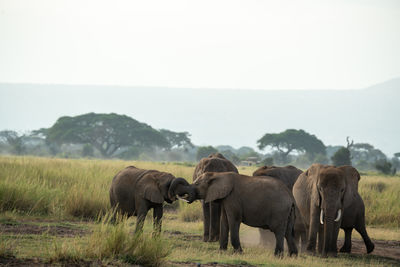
x=115, y=242
x=341, y=157
x=384, y=166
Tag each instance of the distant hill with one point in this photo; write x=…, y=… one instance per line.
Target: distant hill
x=215, y=117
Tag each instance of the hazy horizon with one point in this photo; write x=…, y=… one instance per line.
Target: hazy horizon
x=218, y=117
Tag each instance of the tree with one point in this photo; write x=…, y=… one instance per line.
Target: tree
x=341, y=157
x=87, y=151
x=385, y=167
x=292, y=140
x=105, y=132
x=204, y=151
x=14, y=140
x=176, y=139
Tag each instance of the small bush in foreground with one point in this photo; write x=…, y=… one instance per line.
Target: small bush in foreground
x=114, y=241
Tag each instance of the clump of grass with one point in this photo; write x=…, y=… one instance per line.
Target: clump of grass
x=115, y=242
x=84, y=203
x=190, y=212
x=7, y=249
x=25, y=197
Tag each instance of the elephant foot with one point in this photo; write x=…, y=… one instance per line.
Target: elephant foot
x=206, y=238
x=345, y=249
x=370, y=247
x=329, y=254
x=214, y=239
x=223, y=247
x=238, y=250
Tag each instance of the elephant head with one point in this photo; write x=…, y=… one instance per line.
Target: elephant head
x=156, y=187
x=181, y=188
x=328, y=196
x=210, y=187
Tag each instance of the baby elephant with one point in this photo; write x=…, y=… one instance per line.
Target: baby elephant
x=258, y=202
x=134, y=191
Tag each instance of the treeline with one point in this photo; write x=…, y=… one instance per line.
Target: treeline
x=119, y=136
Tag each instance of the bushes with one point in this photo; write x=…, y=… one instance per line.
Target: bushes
x=115, y=242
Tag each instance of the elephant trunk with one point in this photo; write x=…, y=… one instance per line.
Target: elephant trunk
x=330, y=225
x=181, y=188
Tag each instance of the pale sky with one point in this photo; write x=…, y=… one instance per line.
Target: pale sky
x=340, y=44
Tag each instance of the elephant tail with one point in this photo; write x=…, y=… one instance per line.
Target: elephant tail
x=291, y=221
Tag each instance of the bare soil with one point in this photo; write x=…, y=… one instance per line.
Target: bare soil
x=383, y=248
x=25, y=229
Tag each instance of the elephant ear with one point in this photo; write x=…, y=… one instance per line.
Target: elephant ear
x=149, y=189
x=219, y=187
x=312, y=175
x=352, y=177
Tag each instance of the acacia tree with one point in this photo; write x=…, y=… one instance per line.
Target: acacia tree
x=177, y=139
x=14, y=140
x=292, y=140
x=105, y=132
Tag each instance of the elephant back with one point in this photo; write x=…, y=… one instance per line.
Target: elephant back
x=214, y=163
x=288, y=174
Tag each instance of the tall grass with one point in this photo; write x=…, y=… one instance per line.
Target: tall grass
x=115, y=242
x=79, y=188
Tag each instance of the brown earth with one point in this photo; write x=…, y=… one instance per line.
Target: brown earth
x=24, y=229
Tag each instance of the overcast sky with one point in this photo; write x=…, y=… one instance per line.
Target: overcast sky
x=341, y=44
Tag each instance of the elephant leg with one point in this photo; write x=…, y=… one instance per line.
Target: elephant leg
x=320, y=239
x=291, y=241
x=360, y=227
x=157, y=219
x=141, y=216
x=313, y=230
x=206, y=221
x=224, y=231
x=346, y=248
x=234, y=225
x=215, y=218
x=279, y=240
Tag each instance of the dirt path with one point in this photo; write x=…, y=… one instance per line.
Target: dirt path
x=383, y=248
x=27, y=228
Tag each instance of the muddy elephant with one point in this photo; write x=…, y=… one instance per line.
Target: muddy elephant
x=135, y=191
x=212, y=211
x=255, y=201
x=288, y=175
x=325, y=195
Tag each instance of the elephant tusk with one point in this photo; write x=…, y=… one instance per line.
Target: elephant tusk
x=338, y=215
x=321, y=217
x=180, y=198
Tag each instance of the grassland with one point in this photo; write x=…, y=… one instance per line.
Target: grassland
x=54, y=204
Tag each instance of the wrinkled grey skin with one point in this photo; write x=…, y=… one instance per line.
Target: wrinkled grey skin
x=288, y=175
x=135, y=191
x=328, y=189
x=354, y=214
x=212, y=211
x=263, y=202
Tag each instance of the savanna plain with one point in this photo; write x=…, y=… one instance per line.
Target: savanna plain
x=55, y=212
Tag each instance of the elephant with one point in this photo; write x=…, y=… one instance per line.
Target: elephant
x=288, y=175
x=212, y=211
x=263, y=202
x=325, y=194
x=354, y=215
x=135, y=191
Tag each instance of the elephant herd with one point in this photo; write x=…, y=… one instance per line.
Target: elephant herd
x=294, y=205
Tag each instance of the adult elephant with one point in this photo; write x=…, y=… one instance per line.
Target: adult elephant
x=354, y=214
x=288, y=175
x=256, y=201
x=325, y=195
x=212, y=210
x=135, y=191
